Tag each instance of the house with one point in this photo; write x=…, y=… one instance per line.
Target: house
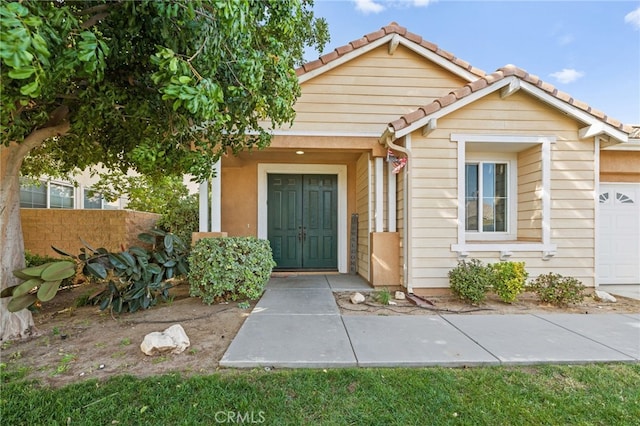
x=404, y=159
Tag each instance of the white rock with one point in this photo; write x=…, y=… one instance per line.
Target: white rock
x=399, y=295
x=392, y=302
x=173, y=340
x=605, y=297
x=357, y=298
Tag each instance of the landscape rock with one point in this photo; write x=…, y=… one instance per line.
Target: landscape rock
x=603, y=296
x=392, y=302
x=357, y=298
x=173, y=339
x=399, y=295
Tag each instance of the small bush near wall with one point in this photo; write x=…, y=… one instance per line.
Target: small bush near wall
x=470, y=281
x=229, y=268
x=558, y=290
x=508, y=279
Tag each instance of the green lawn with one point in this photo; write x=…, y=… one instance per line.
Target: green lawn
x=603, y=394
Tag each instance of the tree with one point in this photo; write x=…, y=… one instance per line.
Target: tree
x=160, y=87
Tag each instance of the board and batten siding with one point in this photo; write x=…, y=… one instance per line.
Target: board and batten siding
x=363, y=203
x=573, y=177
x=366, y=93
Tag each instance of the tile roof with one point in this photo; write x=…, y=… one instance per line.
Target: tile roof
x=500, y=74
x=392, y=28
x=483, y=80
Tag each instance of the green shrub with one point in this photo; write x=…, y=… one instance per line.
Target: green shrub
x=229, y=268
x=558, y=290
x=181, y=218
x=509, y=279
x=470, y=281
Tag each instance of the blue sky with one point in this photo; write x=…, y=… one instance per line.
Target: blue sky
x=589, y=49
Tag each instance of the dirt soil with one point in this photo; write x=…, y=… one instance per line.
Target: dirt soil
x=527, y=303
x=75, y=344
x=80, y=343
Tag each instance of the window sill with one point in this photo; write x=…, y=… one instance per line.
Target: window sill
x=506, y=249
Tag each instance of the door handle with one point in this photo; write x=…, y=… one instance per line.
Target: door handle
x=302, y=233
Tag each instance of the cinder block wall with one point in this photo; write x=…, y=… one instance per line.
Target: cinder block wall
x=63, y=228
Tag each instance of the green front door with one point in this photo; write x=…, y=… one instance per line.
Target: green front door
x=302, y=218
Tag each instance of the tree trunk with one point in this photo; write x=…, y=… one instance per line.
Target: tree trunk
x=19, y=324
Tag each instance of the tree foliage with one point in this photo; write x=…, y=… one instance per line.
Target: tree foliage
x=162, y=87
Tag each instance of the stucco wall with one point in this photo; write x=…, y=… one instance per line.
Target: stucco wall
x=619, y=166
x=63, y=228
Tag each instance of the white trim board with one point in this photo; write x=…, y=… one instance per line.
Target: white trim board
x=330, y=169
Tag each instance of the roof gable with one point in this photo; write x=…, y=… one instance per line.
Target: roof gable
x=393, y=34
x=510, y=79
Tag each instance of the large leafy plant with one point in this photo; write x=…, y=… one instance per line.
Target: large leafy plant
x=131, y=279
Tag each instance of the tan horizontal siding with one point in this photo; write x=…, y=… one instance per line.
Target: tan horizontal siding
x=434, y=226
x=366, y=93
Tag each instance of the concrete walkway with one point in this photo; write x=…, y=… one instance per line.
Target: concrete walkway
x=297, y=324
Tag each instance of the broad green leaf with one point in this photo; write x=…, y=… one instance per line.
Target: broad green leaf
x=128, y=259
x=7, y=292
x=48, y=290
x=154, y=268
x=27, y=286
x=97, y=270
x=22, y=73
x=31, y=89
x=138, y=251
x=59, y=271
x=147, y=238
x=21, y=302
x=117, y=261
x=35, y=271
x=21, y=275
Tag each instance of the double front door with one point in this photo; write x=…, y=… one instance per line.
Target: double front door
x=302, y=220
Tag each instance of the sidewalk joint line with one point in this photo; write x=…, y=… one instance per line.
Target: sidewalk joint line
x=470, y=338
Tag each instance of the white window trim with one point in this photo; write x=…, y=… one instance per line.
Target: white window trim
x=512, y=193
x=340, y=170
x=463, y=248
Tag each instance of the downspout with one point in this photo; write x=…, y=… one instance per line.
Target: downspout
x=388, y=138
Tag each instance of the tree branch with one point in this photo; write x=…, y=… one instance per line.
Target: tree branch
x=94, y=20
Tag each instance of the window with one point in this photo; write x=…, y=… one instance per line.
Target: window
x=33, y=196
x=486, y=197
x=504, y=194
x=46, y=195
x=60, y=196
x=92, y=199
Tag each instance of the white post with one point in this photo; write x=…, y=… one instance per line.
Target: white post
x=216, y=199
x=203, y=210
x=391, y=199
x=379, y=207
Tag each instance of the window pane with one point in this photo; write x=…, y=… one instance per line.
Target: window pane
x=471, y=197
x=60, y=197
x=494, y=197
x=92, y=199
x=33, y=196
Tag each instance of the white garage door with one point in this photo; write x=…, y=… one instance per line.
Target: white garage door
x=619, y=234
